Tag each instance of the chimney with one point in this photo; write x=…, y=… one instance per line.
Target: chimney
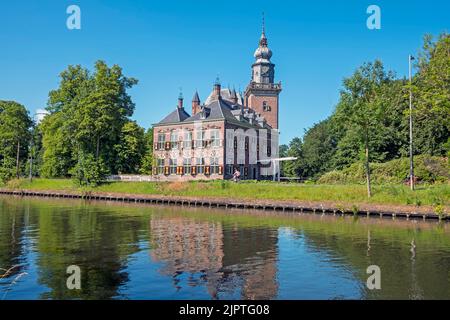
x=195, y=103
x=234, y=97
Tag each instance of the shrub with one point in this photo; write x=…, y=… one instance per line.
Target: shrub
x=427, y=169
x=7, y=170
x=89, y=171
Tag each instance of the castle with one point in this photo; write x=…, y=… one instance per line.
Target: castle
x=229, y=131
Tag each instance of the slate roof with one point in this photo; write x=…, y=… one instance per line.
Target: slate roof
x=219, y=109
x=178, y=115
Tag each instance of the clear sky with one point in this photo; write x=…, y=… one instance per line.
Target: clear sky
x=173, y=44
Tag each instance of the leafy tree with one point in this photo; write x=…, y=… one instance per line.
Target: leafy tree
x=131, y=148
x=431, y=97
x=15, y=124
x=87, y=115
x=294, y=168
x=319, y=146
x=362, y=108
x=104, y=111
x=89, y=170
x=34, y=153
x=283, y=151
x=147, y=161
x=374, y=107
x=59, y=127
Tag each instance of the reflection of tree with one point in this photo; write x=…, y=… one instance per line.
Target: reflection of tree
x=90, y=238
x=224, y=257
x=424, y=276
x=12, y=225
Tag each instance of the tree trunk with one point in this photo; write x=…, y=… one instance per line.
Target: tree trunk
x=17, y=158
x=369, y=189
x=98, y=148
x=31, y=164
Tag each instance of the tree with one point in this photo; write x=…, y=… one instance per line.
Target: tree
x=362, y=107
x=89, y=170
x=147, y=161
x=88, y=113
x=283, y=151
x=294, y=168
x=371, y=120
x=131, y=148
x=15, y=124
x=103, y=112
x=431, y=97
x=60, y=150
x=319, y=146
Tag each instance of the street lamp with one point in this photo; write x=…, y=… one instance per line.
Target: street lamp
x=411, y=160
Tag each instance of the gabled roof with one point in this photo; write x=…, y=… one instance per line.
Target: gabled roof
x=178, y=115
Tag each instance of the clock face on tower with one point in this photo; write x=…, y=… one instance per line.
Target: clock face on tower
x=264, y=71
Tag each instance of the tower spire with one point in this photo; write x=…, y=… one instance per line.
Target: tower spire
x=263, y=24
x=263, y=39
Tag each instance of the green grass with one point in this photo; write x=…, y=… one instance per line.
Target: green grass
x=437, y=194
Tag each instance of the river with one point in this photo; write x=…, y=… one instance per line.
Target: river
x=132, y=251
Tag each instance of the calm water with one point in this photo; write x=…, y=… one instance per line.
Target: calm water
x=143, y=252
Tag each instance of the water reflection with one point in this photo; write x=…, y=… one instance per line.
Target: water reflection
x=132, y=251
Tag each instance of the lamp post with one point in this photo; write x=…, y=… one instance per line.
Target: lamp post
x=411, y=159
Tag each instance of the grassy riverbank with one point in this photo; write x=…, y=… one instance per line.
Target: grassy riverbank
x=426, y=195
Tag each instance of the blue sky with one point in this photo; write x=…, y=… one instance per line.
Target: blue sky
x=173, y=44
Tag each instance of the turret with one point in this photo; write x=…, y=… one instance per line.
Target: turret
x=195, y=103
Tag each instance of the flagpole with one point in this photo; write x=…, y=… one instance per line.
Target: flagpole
x=411, y=159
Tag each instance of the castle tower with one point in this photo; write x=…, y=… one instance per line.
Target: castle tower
x=262, y=93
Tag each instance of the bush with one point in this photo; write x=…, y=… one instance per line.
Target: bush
x=89, y=171
x=427, y=169
x=7, y=170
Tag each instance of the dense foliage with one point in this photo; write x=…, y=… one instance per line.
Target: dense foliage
x=429, y=169
x=15, y=124
x=86, y=135
x=372, y=114
x=88, y=132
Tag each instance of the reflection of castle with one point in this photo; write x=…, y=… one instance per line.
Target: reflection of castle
x=227, y=259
